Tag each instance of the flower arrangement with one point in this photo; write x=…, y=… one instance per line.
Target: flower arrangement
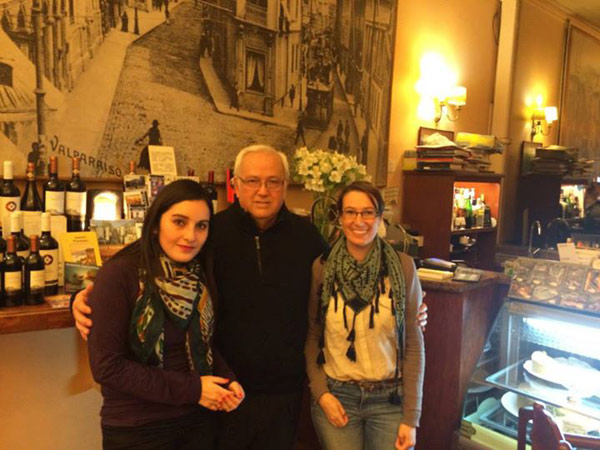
x=323, y=172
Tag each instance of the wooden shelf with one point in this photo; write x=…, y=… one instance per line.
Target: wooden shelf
x=427, y=202
x=461, y=175
x=472, y=231
x=19, y=319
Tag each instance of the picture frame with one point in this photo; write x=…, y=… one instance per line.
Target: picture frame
x=527, y=154
x=425, y=132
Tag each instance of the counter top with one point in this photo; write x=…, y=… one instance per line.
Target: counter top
x=33, y=318
x=487, y=278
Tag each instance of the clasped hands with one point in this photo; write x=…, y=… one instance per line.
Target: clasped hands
x=218, y=394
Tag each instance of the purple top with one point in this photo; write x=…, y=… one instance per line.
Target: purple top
x=136, y=393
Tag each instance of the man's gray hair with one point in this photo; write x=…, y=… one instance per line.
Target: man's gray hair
x=262, y=148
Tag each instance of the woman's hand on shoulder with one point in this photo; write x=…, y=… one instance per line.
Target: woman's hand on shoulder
x=81, y=311
x=422, y=315
x=333, y=409
x=214, y=394
x=407, y=437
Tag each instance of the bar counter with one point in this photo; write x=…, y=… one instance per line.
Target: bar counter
x=461, y=315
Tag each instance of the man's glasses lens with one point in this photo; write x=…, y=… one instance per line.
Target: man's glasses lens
x=271, y=184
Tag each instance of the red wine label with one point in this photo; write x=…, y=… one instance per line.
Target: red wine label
x=9, y=204
x=12, y=281
x=54, y=202
x=36, y=279
x=50, y=258
x=76, y=203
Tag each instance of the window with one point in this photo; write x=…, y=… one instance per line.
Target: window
x=255, y=71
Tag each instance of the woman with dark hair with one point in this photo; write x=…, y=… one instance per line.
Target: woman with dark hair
x=364, y=358
x=151, y=344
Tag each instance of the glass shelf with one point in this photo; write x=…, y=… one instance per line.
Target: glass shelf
x=516, y=379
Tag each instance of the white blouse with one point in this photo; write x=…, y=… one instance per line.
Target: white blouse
x=375, y=347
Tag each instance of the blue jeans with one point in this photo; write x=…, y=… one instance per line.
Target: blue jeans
x=372, y=420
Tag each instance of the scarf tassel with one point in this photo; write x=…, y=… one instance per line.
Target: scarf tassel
x=321, y=355
x=351, y=352
x=372, y=314
x=395, y=398
x=321, y=358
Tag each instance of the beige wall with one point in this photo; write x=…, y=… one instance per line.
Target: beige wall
x=538, y=71
x=48, y=400
x=460, y=31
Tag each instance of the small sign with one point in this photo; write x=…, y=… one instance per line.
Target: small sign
x=162, y=160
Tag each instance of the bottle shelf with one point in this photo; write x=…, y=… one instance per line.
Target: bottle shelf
x=473, y=230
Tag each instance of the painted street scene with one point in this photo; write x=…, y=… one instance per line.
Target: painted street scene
x=104, y=79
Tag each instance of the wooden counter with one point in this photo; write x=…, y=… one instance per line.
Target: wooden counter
x=460, y=318
x=33, y=318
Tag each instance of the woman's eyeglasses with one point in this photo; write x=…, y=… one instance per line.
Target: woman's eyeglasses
x=366, y=214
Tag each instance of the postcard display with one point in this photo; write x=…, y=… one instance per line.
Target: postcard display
x=545, y=347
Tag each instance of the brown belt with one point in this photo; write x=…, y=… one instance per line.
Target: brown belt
x=369, y=386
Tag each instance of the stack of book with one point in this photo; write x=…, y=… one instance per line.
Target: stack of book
x=447, y=157
x=551, y=161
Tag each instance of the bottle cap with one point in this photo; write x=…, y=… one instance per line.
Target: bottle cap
x=8, y=170
x=46, y=221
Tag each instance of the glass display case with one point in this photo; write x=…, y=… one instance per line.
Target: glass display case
x=541, y=351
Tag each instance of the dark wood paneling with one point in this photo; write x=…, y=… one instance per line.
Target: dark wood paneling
x=459, y=323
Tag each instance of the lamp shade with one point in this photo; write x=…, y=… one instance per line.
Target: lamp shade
x=551, y=114
x=458, y=96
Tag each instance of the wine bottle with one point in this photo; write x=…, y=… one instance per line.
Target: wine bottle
x=212, y=190
x=11, y=276
x=49, y=253
x=54, y=191
x=21, y=244
x=34, y=274
x=76, y=200
x=2, y=246
x=31, y=200
x=10, y=196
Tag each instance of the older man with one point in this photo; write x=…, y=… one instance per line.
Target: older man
x=263, y=256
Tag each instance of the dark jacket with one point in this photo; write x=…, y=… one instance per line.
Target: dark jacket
x=263, y=280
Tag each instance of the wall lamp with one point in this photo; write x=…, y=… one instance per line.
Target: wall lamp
x=549, y=114
x=451, y=105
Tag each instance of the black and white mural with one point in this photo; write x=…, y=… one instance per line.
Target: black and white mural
x=102, y=79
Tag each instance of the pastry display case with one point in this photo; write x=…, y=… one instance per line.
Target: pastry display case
x=544, y=346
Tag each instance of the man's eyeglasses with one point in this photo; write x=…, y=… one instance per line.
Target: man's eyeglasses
x=272, y=184
x=366, y=214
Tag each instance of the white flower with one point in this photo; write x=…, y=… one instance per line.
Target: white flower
x=325, y=167
x=335, y=176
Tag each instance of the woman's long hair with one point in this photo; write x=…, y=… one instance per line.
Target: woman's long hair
x=147, y=248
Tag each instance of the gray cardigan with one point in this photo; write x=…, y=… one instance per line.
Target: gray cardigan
x=413, y=363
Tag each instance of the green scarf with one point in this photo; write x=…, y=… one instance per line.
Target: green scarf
x=360, y=285
x=182, y=297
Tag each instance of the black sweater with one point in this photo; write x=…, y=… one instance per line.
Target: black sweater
x=263, y=280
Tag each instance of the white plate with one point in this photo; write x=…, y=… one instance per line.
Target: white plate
x=575, y=385
x=569, y=422
x=551, y=377
x=511, y=402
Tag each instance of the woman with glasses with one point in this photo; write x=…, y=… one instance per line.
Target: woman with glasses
x=365, y=361
x=151, y=344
